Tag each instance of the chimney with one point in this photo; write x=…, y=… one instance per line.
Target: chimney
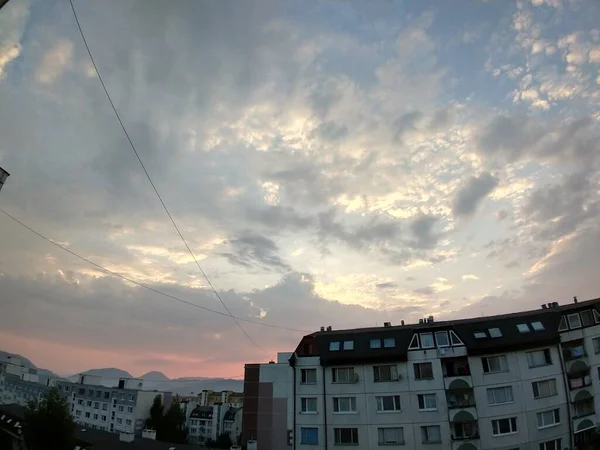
x=544, y=306
x=421, y=321
x=322, y=328
x=430, y=319
x=555, y=304
x=387, y=324
x=575, y=299
x=402, y=322
x=329, y=328
x=550, y=305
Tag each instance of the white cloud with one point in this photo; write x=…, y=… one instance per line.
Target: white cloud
x=469, y=277
x=54, y=62
x=13, y=20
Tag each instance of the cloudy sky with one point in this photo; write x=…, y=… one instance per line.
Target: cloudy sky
x=329, y=163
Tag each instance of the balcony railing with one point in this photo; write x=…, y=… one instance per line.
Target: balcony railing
x=465, y=437
x=462, y=403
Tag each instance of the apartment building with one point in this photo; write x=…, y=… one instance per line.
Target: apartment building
x=526, y=381
x=206, y=423
x=21, y=384
x=209, y=397
x=120, y=409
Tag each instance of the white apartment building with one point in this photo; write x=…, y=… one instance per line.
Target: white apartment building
x=21, y=384
x=523, y=381
x=120, y=409
x=206, y=423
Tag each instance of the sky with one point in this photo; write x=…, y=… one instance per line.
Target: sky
x=329, y=163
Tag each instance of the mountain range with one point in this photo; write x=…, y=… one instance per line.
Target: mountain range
x=152, y=380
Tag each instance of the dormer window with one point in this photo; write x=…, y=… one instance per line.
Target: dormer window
x=495, y=332
x=334, y=346
x=441, y=339
x=414, y=343
x=574, y=320
x=586, y=318
x=427, y=340
x=523, y=328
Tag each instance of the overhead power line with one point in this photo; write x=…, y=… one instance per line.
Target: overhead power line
x=145, y=286
x=152, y=183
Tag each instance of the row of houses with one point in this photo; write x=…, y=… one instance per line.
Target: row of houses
x=522, y=381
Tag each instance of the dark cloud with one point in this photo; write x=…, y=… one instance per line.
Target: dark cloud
x=427, y=290
x=385, y=286
x=331, y=131
x=252, y=250
x=472, y=193
x=422, y=229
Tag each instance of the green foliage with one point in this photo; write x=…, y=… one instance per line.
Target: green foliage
x=48, y=424
x=169, y=426
x=223, y=441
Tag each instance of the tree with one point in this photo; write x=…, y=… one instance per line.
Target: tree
x=169, y=426
x=156, y=414
x=223, y=441
x=48, y=424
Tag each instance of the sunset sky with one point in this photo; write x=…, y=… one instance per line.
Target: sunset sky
x=329, y=162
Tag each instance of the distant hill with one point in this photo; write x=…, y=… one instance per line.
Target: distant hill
x=24, y=361
x=109, y=373
x=155, y=376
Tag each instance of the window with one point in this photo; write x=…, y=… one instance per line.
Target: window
x=348, y=345
x=441, y=339
x=308, y=405
x=103, y=418
x=131, y=398
x=388, y=403
x=548, y=418
x=596, y=342
x=122, y=397
x=539, y=358
x=343, y=375
x=98, y=394
x=385, y=373
x=494, y=364
x=344, y=404
x=107, y=395
x=344, y=436
x=95, y=416
x=67, y=388
x=596, y=316
x=375, y=343
x=431, y=434
x=130, y=409
x=414, y=342
x=80, y=402
x=88, y=403
x=389, y=342
x=563, y=324
x=119, y=420
x=390, y=436
x=574, y=320
x=523, y=328
x=500, y=395
x=544, y=388
x=121, y=408
x=81, y=391
x=77, y=413
x=127, y=421
x=334, y=346
x=87, y=415
x=96, y=405
x=90, y=392
x=423, y=371
x=309, y=436
x=308, y=376
x=537, y=326
x=427, y=402
x=104, y=406
x=454, y=339
x=495, y=332
x=504, y=426
x=551, y=445
x=427, y=340
x=480, y=335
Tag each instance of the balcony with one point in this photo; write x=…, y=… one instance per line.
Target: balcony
x=573, y=352
x=578, y=375
x=457, y=370
x=464, y=427
x=583, y=405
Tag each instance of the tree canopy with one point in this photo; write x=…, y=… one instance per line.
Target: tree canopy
x=48, y=424
x=169, y=426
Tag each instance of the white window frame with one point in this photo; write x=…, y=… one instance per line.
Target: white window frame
x=502, y=362
x=552, y=416
x=337, y=436
x=454, y=339
x=334, y=346
x=414, y=342
x=304, y=376
x=551, y=383
x=422, y=400
x=428, y=336
x=335, y=375
x=480, y=335
x=349, y=402
x=397, y=437
x=445, y=336
x=380, y=403
x=306, y=403
x=554, y=444
x=425, y=434
x=495, y=391
x=563, y=325
x=590, y=317
x=512, y=421
x=419, y=365
x=574, y=316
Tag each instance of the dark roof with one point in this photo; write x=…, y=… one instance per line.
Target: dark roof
x=202, y=412
x=318, y=343
x=230, y=414
x=11, y=418
x=91, y=439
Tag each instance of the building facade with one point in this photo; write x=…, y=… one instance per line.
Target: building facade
x=21, y=384
x=209, y=397
x=123, y=408
x=206, y=423
x=526, y=381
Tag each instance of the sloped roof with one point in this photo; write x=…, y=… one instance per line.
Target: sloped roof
x=230, y=414
x=202, y=412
